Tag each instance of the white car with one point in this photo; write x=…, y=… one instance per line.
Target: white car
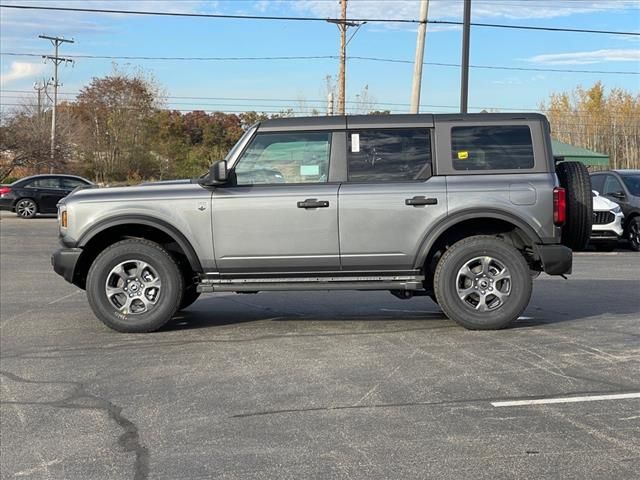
x=607, y=223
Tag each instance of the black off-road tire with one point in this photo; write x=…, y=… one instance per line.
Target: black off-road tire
x=574, y=177
x=189, y=296
x=633, y=234
x=171, y=290
x=447, y=276
x=26, y=208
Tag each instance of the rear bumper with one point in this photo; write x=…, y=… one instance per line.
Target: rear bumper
x=6, y=204
x=555, y=259
x=64, y=262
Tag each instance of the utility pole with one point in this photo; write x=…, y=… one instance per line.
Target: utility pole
x=464, y=78
x=343, y=26
x=56, y=60
x=343, y=57
x=330, y=104
x=417, y=66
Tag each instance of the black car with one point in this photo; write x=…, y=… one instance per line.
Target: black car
x=39, y=193
x=622, y=187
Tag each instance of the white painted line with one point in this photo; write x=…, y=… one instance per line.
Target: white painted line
x=544, y=401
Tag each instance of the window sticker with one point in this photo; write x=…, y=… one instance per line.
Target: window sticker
x=463, y=155
x=309, y=170
x=355, y=143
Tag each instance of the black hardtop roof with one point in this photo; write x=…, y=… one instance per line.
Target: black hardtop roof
x=406, y=119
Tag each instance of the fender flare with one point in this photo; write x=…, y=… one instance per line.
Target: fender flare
x=149, y=221
x=450, y=221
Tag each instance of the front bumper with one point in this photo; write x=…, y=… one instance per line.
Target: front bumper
x=555, y=259
x=64, y=262
x=608, y=231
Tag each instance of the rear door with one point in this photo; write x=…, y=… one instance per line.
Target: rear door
x=47, y=191
x=390, y=198
x=282, y=213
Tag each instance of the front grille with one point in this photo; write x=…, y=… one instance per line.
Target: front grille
x=602, y=218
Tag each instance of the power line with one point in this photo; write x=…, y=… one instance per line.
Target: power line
x=290, y=101
x=329, y=57
x=316, y=19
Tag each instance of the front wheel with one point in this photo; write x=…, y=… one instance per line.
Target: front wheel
x=134, y=286
x=482, y=283
x=633, y=234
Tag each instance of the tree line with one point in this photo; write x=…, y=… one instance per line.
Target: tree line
x=604, y=122
x=117, y=130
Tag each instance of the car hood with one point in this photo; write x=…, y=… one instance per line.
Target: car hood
x=603, y=204
x=157, y=191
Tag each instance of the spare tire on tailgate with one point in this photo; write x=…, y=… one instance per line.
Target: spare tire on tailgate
x=574, y=177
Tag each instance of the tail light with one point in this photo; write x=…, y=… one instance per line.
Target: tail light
x=559, y=206
x=4, y=191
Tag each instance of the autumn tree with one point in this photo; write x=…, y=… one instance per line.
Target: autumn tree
x=594, y=119
x=116, y=111
x=25, y=139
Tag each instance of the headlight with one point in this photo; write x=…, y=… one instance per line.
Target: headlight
x=616, y=209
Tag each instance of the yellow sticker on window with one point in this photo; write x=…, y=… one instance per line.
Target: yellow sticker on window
x=463, y=155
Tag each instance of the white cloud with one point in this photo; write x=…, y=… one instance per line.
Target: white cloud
x=583, y=58
x=20, y=70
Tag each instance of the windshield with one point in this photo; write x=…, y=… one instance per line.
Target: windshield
x=633, y=184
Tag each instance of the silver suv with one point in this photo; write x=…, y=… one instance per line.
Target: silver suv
x=466, y=209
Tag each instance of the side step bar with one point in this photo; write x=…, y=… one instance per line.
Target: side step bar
x=409, y=282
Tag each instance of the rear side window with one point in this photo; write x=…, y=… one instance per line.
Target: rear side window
x=397, y=154
x=51, y=182
x=492, y=147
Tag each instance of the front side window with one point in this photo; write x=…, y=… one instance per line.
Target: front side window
x=384, y=155
x=611, y=185
x=491, y=147
x=72, y=183
x=301, y=157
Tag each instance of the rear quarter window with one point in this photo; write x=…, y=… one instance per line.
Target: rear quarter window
x=492, y=147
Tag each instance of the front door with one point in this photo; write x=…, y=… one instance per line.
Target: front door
x=281, y=214
x=390, y=199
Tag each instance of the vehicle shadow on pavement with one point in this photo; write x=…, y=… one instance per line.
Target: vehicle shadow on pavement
x=548, y=305
x=577, y=300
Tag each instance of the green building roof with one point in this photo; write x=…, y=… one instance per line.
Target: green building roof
x=564, y=151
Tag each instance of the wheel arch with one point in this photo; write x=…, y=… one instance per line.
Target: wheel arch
x=473, y=222
x=110, y=231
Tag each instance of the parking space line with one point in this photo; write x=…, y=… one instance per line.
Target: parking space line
x=588, y=398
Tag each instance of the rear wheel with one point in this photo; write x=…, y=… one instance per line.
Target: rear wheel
x=574, y=177
x=482, y=283
x=633, y=234
x=134, y=286
x=26, y=208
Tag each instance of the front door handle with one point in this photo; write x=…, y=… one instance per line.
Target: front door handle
x=416, y=201
x=313, y=203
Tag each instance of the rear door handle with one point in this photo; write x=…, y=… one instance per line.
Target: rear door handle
x=313, y=203
x=416, y=201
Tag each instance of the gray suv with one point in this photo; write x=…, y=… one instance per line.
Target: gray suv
x=466, y=209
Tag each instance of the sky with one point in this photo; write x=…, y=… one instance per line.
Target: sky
x=274, y=85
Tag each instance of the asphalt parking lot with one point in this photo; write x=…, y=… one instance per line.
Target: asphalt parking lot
x=349, y=385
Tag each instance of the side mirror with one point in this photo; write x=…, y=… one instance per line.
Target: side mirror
x=218, y=174
x=618, y=195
